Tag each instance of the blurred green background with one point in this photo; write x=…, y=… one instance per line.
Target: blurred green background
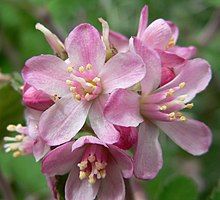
x=183, y=177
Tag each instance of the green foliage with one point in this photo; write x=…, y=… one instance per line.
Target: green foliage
x=19, y=41
x=179, y=188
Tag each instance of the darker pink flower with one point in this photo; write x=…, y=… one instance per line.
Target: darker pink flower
x=28, y=140
x=160, y=36
x=81, y=85
x=160, y=108
x=96, y=169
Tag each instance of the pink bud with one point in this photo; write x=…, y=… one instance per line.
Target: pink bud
x=167, y=75
x=128, y=137
x=36, y=99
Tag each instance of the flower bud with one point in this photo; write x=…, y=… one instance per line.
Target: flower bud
x=54, y=41
x=167, y=75
x=36, y=99
x=128, y=137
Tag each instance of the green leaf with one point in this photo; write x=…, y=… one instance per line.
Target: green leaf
x=179, y=188
x=215, y=193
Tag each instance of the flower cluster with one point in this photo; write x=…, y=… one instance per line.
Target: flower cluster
x=117, y=92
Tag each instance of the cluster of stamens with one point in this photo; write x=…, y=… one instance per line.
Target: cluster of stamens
x=92, y=168
x=84, y=84
x=171, y=43
x=15, y=143
x=165, y=105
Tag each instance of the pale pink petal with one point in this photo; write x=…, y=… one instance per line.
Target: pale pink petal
x=84, y=46
x=47, y=73
x=167, y=75
x=174, y=30
x=157, y=34
x=61, y=160
x=76, y=189
x=148, y=155
x=143, y=21
x=192, y=135
x=122, y=108
x=112, y=187
x=120, y=42
x=153, y=66
x=102, y=128
x=195, y=73
x=63, y=120
x=32, y=118
x=51, y=183
x=184, y=52
x=87, y=140
x=123, y=161
x=40, y=149
x=122, y=71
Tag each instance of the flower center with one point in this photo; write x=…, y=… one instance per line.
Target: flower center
x=165, y=105
x=93, y=163
x=16, y=144
x=84, y=84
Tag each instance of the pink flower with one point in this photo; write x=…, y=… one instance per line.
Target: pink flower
x=81, y=86
x=96, y=169
x=28, y=140
x=161, y=36
x=160, y=108
x=36, y=99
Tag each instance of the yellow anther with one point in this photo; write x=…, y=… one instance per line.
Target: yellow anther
x=182, y=85
x=22, y=87
x=69, y=82
x=164, y=107
x=78, y=97
x=171, y=43
x=172, y=115
x=170, y=92
x=96, y=79
x=91, y=179
x=182, y=118
x=82, y=165
x=103, y=173
x=81, y=69
x=82, y=175
x=88, y=66
x=100, y=166
x=69, y=69
x=19, y=137
x=72, y=89
x=16, y=154
x=189, y=105
x=182, y=97
x=11, y=127
x=91, y=158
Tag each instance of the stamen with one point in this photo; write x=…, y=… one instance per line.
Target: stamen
x=189, y=105
x=82, y=175
x=91, y=179
x=96, y=79
x=11, y=127
x=172, y=115
x=72, y=89
x=69, y=69
x=88, y=67
x=182, y=97
x=170, y=92
x=182, y=85
x=182, y=118
x=16, y=154
x=164, y=107
x=81, y=69
x=69, y=82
